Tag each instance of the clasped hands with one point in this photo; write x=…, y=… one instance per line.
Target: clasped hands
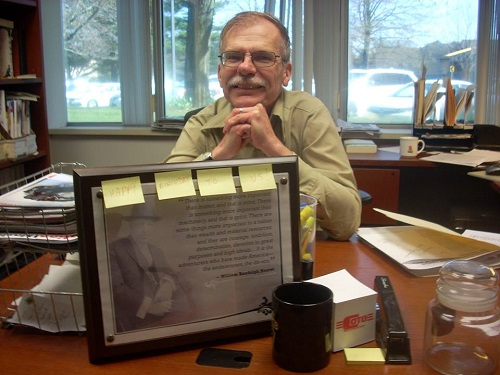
x=245, y=125
x=162, y=302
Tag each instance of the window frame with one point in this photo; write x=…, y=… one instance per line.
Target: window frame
x=316, y=15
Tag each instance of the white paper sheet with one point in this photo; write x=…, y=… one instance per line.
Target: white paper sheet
x=472, y=158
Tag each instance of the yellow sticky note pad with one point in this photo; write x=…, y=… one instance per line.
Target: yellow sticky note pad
x=216, y=181
x=174, y=184
x=122, y=192
x=257, y=177
x=364, y=356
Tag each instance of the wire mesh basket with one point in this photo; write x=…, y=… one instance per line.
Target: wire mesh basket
x=40, y=284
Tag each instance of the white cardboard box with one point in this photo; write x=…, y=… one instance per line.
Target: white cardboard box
x=31, y=146
x=353, y=319
x=11, y=149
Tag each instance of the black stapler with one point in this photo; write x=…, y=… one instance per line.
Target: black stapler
x=391, y=334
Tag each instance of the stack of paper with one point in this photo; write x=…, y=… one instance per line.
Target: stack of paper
x=419, y=100
x=458, y=104
x=349, y=129
x=430, y=100
x=450, y=115
x=56, y=304
x=424, y=247
x=41, y=212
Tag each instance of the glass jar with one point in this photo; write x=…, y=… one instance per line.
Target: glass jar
x=462, y=326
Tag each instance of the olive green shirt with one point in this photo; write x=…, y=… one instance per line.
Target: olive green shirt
x=304, y=125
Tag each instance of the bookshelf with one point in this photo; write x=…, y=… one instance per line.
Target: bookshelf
x=27, y=59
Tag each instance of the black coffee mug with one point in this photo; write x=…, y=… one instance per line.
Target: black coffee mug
x=302, y=321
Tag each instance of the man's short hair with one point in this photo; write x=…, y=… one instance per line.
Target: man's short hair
x=251, y=17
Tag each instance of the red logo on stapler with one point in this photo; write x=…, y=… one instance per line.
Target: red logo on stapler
x=353, y=321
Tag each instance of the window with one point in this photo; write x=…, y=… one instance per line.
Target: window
x=92, y=72
x=113, y=75
x=189, y=75
x=389, y=41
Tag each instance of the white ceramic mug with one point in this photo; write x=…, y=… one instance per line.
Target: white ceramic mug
x=410, y=146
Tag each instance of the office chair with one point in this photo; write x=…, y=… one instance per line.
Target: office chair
x=365, y=197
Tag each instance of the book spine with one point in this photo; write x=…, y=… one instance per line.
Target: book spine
x=18, y=116
x=3, y=115
x=26, y=118
x=6, y=61
x=11, y=111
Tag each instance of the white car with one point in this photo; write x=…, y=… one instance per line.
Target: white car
x=93, y=95
x=400, y=103
x=214, y=86
x=367, y=86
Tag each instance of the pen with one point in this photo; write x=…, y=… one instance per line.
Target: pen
x=428, y=261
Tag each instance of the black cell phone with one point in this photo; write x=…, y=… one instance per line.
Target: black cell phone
x=224, y=358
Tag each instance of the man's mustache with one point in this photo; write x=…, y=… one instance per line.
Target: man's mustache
x=247, y=82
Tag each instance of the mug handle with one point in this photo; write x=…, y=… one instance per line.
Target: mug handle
x=420, y=143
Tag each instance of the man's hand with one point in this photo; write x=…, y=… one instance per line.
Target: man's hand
x=160, y=308
x=252, y=123
x=236, y=137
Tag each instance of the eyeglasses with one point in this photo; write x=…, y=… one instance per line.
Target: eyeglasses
x=261, y=59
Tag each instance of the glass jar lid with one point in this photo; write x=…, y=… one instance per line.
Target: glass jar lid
x=467, y=286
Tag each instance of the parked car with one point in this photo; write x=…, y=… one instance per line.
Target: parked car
x=92, y=95
x=401, y=101
x=214, y=86
x=116, y=100
x=173, y=90
x=366, y=86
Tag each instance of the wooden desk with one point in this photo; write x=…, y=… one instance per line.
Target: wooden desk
x=388, y=159
x=442, y=193
x=26, y=351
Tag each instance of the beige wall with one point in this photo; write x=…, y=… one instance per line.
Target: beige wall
x=101, y=151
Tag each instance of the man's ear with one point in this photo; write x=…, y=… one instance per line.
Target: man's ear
x=287, y=74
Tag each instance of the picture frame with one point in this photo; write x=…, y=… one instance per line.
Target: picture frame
x=206, y=268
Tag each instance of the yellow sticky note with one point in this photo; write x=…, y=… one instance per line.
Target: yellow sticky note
x=174, y=184
x=122, y=192
x=216, y=181
x=257, y=177
x=364, y=356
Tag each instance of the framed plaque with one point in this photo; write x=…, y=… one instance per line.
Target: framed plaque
x=186, y=253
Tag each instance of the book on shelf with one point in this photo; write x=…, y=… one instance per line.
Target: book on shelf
x=26, y=76
x=16, y=136
x=4, y=126
x=6, y=61
x=16, y=120
x=423, y=247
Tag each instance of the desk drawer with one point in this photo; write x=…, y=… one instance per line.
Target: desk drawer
x=383, y=186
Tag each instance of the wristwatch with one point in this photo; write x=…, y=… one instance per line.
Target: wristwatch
x=206, y=156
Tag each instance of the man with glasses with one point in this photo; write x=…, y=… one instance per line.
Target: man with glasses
x=257, y=117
